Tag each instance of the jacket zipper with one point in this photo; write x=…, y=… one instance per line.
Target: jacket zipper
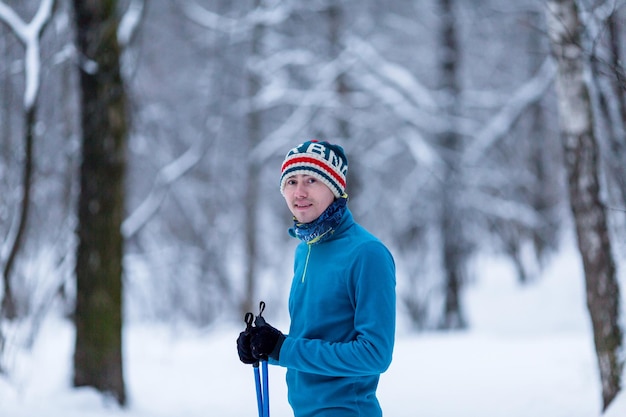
x=306, y=263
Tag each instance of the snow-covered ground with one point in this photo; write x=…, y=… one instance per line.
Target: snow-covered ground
x=529, y=353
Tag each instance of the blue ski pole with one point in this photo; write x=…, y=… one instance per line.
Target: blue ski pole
x=257, y=376
x=259, y=395
x=265, y=395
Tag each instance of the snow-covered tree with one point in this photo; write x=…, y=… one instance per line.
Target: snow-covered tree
x=581, y=156
x=29, y=34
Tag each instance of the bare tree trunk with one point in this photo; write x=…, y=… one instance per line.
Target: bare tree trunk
x=581, y=161
x=335, y=21
x=607, y=78
x=251, y=180
x=618, y=85
x=336, y=16
x=454, y=246
x=9, y=305
x=614, y=25
x=32, y=70
x=5, y=134
x=98, y=316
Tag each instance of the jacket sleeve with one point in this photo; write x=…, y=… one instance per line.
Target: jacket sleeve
x=372, y=285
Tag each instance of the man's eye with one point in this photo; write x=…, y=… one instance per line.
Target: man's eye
x=311, y=180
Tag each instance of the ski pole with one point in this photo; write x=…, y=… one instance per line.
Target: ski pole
x=265, y=395
x=257, y=376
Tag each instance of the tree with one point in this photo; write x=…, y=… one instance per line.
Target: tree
x=454, y=244
x=617, y=75
x=254, y=132
x=609, y=82
x=98, y=315
x=336, y=17
x=581, y=162
x=29, y=35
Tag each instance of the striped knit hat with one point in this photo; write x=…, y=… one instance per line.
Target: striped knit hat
x=322, y=160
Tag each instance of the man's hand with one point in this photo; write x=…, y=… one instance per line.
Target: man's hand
x=265, y=340
x=244, y=349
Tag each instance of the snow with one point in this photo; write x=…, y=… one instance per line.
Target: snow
x=29, y=34
x=528, y=353
x=130, y=21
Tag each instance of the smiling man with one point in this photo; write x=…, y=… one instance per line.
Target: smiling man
x=342, y=301
x=313, y=176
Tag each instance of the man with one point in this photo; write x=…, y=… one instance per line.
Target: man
x=342, y=298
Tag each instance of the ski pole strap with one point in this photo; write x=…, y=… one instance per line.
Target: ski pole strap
x=260, y=321
x=248, y=319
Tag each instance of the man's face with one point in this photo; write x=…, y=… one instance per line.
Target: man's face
x=307, y=197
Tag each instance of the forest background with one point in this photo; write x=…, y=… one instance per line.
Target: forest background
x=447, y=109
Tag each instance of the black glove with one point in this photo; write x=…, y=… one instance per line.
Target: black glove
x=243, y=348
x=265, y=340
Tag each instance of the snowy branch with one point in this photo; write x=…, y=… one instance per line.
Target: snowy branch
x=165, y=177
x=501, y=123
x=29, y=34
x=309, y=101
x=395, y=75
x=208, y=19
x=504, y=209
x=284, y=135
x=130, y=21
x=599, y=13
x=8, y=16
x=219, y=23
x=421, y=151
x=396, y=87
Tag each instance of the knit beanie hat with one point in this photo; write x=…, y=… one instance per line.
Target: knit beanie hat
x=322, y=160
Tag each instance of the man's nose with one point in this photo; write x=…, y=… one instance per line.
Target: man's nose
x=300, y=190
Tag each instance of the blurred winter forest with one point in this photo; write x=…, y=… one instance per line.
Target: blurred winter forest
x=447, y=110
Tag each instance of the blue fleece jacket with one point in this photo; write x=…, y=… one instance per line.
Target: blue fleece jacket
x=342, y=306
